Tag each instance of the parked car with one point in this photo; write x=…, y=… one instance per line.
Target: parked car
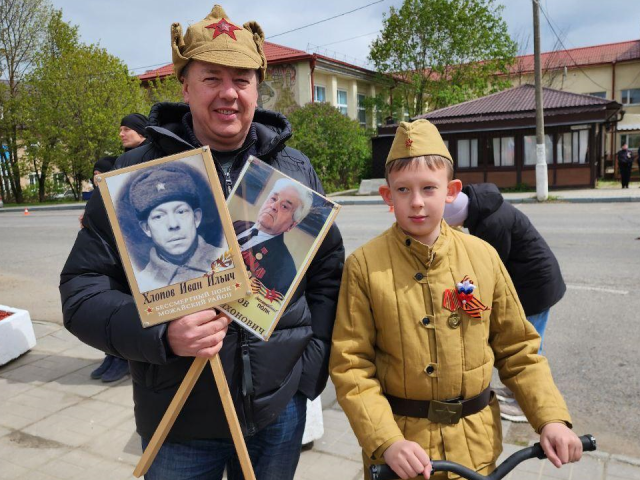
x=67, y=194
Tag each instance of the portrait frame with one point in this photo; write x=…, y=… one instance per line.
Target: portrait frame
x=266, y=254
x=207, y=269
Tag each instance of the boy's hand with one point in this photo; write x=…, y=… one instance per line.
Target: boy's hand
x=560, y=444
x=408, y=459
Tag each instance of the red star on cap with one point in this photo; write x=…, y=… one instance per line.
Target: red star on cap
x=223, y=27
x=408, y=142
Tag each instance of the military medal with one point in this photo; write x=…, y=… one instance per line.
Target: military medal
x=462, y=297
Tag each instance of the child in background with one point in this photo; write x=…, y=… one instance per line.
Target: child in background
x=531, y=264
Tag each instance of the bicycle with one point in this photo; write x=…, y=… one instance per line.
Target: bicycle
x=384, y=472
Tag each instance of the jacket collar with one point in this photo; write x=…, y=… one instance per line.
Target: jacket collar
x=167, y=129
x=431, y=256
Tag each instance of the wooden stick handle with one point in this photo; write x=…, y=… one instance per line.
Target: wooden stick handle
x=232, y=418
x=170, y=416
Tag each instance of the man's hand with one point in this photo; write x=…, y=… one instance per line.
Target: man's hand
x=198, y=334
x=560, y=444
x=408, y=459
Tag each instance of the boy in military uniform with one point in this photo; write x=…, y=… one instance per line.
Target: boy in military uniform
x=424, y=314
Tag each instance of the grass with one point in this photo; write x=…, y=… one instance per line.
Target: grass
x=519, y=188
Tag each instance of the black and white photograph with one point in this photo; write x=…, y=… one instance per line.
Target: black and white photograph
x=171, y=228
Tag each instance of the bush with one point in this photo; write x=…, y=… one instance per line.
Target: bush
x=338, y=147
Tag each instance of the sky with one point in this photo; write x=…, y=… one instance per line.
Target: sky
x=137, y=31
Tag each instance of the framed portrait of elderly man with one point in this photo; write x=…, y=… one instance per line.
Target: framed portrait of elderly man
x=280, y=224
x=174, y=235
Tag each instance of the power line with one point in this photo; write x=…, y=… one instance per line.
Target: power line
x=565, y=48
x=150, y=66
x=347, y=39
x=325, y=20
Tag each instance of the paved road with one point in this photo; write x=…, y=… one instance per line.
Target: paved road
x=592, y=336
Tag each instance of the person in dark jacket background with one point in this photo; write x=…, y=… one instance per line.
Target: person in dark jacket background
x=530, y=262
x=132, y=134
x=220, y=65
x=112, y=368
x=625, y=162
x=132, y=130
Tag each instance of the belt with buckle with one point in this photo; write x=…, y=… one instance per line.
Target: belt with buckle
x=447, y=411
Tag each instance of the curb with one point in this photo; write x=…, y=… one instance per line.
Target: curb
x=362, y=201
x=78, y=206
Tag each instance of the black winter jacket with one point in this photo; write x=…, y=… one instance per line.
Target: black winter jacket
x=263, y=376
x=531, y=264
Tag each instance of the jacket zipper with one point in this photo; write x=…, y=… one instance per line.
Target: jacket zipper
x=247, y=383
x=227, y=182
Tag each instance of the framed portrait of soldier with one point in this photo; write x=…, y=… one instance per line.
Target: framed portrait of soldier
x=174, y=235
x=280, y=224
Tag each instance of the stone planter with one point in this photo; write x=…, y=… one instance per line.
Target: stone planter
x=16, y=334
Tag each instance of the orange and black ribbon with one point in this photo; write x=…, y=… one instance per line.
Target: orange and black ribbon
x=462, y=298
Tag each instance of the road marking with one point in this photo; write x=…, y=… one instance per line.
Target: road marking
x=598, y=289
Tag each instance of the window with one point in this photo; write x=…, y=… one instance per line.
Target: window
x=598, y=94
x=362, y=111
x=633, y=140
x=33, y=179
x=503, y=151
x=573, y=147
x=468, y=153
x=59, y=180
x=530, y=156
x=342, y=101
x=631, y=97
x=319, y=93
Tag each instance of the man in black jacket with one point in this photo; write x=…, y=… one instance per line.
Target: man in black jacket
x=220, y=65
x=529, y=260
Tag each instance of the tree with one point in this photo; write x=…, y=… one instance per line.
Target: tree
x=21, y=35
x=338, y=147
x=443, y=52
x=78, y=95
x=168, y=89
x=43, y=105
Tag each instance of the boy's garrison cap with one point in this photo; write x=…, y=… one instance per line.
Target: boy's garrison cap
x=160, y=185
x=415, y=139
x=216, y=40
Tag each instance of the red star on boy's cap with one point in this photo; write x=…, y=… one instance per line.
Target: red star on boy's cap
x=223, y=27
x=408, y=142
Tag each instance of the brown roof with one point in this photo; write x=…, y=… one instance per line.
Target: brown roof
x=513, y=100
x=585, y=56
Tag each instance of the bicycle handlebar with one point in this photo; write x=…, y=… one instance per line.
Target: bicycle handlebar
x=384, y=472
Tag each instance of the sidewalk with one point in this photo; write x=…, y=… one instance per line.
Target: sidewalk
x=586, y=195
x=56, y=423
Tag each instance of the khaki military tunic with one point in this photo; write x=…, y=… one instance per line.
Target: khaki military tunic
x=393, y=335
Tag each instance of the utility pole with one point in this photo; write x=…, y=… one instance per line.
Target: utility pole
x=542, y=181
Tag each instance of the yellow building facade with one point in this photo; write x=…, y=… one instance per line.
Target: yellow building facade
x=610, y=71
